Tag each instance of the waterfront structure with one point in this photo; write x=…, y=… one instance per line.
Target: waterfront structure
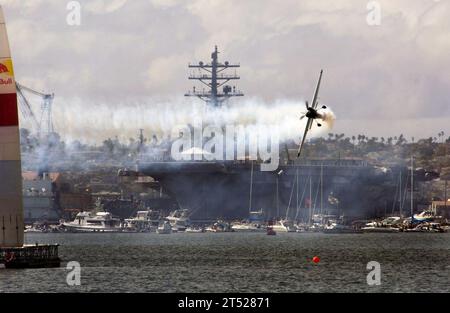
x=13, y=252
x=40, y=197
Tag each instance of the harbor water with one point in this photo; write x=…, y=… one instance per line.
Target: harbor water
x=239, y=262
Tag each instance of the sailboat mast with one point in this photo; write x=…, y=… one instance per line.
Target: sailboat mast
x=310, y=199
x=278, y=205
x=412, y=185
x=400, y=194
x=296, y=206
x=321, y=188
x=251, y=189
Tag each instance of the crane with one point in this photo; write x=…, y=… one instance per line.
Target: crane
x=45, y=123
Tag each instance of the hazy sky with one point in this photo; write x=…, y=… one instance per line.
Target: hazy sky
x=389, y=78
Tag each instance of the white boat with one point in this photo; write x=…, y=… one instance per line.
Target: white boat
x=179, y=220
x=336, y=228
x=427, y=228
x=195, y=230
x=144, y=221
x=164, y=228
x=247, y=227
x=425, y=216
x=219, y=227
x=90, y=222
x=284, y=226
x=34, y=229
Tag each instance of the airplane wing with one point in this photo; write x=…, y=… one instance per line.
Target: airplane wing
x=307, y=128
x=316, y=92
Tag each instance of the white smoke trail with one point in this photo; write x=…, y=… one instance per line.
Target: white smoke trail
x=75, y=120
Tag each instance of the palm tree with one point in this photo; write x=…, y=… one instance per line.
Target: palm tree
x=441, y=135
x=389, y=140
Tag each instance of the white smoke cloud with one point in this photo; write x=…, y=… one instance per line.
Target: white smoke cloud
x=161, y=117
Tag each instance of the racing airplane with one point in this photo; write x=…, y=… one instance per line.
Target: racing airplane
x=312, y=113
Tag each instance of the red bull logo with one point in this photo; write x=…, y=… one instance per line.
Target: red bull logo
x=6, y=67
x=6, y=72
x=3, y=68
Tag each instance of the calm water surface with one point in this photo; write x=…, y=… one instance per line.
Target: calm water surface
x=240, y=262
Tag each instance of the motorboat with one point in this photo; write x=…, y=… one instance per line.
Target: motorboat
x=284, y=226
x=247, y=227
x=337, y=228
x=93, y=222
x=192, y=229
x=144, y=221
x=425, y=216
x=179, y=220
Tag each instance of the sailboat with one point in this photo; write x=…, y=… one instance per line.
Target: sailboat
x=13, y=252
x=286, y=225
x=428, y=220
x=391, y=224
x=254, y=222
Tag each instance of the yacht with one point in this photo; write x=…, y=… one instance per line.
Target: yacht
x=90, y=222
x=247, y=227
x=144, y=221
x=337, y=228
x=425, y=216
x=284, y=226
x=179, y=220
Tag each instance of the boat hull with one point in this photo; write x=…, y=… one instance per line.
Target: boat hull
x=379, y=230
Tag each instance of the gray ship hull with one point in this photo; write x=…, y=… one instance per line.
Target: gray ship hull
x=222, y=189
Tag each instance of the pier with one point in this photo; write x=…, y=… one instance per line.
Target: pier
x=30, y=256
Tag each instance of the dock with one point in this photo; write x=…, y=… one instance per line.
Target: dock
x=30, y=256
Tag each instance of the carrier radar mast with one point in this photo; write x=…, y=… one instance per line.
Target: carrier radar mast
x=213, y=76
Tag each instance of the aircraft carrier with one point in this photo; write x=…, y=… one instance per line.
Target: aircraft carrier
x=231, y=189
